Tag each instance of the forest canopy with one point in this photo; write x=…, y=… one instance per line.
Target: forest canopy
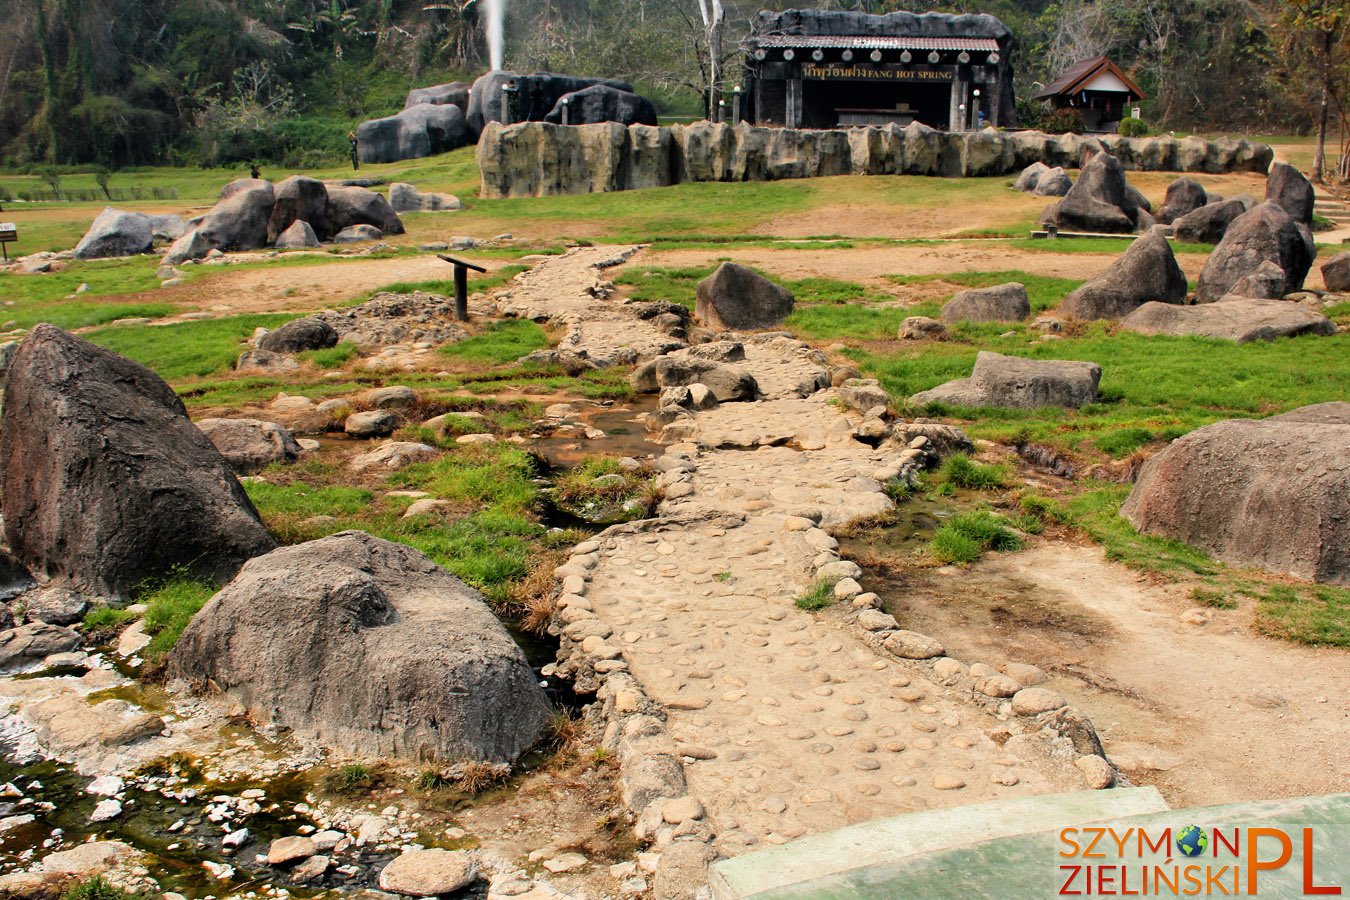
x=135, y=82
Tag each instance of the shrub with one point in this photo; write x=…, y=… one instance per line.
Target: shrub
x=1132, y=127
x=169, y=606
x=1215, y=599
x=96, y=888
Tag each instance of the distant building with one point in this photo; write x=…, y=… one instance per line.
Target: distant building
x=818, y=69
x=1098, y=89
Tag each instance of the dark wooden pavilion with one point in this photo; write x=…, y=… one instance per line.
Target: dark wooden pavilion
x=1098, y=88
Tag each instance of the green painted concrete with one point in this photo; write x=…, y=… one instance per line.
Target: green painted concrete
x=804, y=864
x=1029, y=865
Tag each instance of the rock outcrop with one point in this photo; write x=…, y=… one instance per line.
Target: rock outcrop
x=736, y=298
x=1291, y=191
x=1000, y=303
x=239, y=220
x=366, y=647
x=1273, y=493
x=250, y=445
x=534, y=96
x=115, y=232
x=421, y=130
x=107, y=482
x=299, y=335
x=299, y=199
x=1099, y=200
x=1184, y=196
x=1209, y=223
x=1336, y=273
x=406, y=198
x=348, y=206
x=299, y=236
x=1265, y=234
x=1238, y=319
x=1147, y=271
x=602, y=103
x=1013, y=382
x=455, y=93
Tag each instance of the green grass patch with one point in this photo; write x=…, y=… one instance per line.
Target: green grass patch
x=1214, y=598
x=1314, y=614
x=1113, y=246
x=964, y=538
x=1167, y=386
x=499, y=343
x=169, y=606
x=98, y=888
x=861, y=323
x=817, y=597
x=445, y=287
x=106, y=617
x=1097, y=512
x=331, y=357
x=963, y=472
x=186, y=349
x=1043, y=291
x=680, y=285
x=498, y=475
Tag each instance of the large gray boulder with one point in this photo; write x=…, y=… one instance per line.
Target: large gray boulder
x=348, y=206
x=1099, y=200
x=1287, y=187
x=1273, y=493
x=418, y=131
x=602, y=103
x=1239, y=319
x=298, y=335
x=1000, y=303
x=366, y=647
x=726, y=383
x=455, y=93
x=250, y=445
x=299, y=236
x=1336, y=272
x=1053, y=182
x=299, y=199
x=404, y=197
x=191, y=245
x=239, y=219
x=1013, y=382
x=533, y=98
x=1185, y=195
x=107, y=483
x=1147, y=271
x=1265, y=234
x=115, y=232
x=734, y=297
x=1031, y=175
x=1209, y=223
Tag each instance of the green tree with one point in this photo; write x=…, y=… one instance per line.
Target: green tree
x=1315, y=38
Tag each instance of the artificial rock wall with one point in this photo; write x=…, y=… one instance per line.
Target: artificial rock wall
x=538, y=159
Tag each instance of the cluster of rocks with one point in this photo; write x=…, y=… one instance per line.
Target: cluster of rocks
x=531, y=159
x=295, y=213
x=444, y=117
x=1101, y=201
x=1043, y=180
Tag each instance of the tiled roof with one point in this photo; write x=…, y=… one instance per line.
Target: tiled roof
x=868, y=42
x=1082, y=71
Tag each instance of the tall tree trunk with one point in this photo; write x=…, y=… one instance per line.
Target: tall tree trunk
x=1324, y=110
x=49, y=91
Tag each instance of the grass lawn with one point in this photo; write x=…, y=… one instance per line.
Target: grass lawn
x=186, y=349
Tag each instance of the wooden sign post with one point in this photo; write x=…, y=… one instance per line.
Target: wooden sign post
x=8, y=232
x=461, y=284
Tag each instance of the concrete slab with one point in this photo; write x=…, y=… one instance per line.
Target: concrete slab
x=800, y=868
x=1029, y=865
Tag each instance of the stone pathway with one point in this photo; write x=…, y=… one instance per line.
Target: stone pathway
x=788, y=722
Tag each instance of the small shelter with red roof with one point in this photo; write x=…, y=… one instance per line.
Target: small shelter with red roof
x=1098, y=89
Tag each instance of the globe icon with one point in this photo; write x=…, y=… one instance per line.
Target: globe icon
x=1192, y=840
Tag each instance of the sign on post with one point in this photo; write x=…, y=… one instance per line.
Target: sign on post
x=8, y=232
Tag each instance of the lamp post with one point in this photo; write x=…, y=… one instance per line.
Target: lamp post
x=721, y=110
x=508, y=98
x=961, y=112
x=735, y=104
x=975, y=113
x=566, y=110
